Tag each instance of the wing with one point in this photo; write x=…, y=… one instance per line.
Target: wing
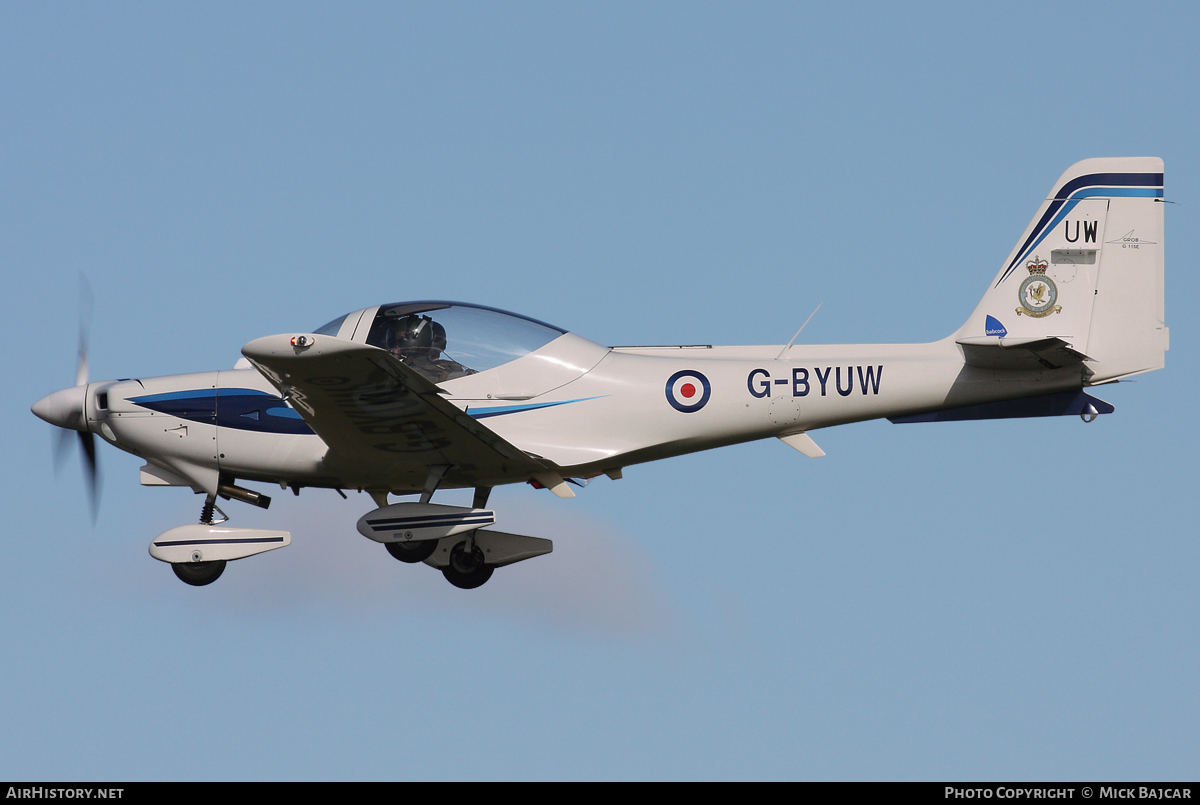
x=385, y=424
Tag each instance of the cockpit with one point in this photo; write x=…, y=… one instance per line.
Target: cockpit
x=447, y=340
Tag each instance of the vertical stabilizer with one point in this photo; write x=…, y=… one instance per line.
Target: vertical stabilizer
x=1088, y=269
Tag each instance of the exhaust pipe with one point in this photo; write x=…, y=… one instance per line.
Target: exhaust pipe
x=228, y=491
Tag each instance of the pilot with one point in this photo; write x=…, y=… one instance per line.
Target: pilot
x=418, y=341
x=410, y=337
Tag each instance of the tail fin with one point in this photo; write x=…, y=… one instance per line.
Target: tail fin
x=1088, y=270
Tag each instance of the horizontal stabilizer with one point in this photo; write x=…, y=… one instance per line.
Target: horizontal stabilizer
x=990, y=352
x=1061, y=403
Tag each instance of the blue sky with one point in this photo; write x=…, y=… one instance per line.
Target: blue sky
x=1001, y=600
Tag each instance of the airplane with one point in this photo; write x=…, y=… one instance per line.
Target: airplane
x=410, y=398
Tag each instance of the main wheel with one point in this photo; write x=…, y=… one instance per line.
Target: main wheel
x=467, y=571
x=199, y=574
x=412, y=552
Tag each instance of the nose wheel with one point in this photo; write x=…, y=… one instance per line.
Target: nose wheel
x=199, y=574
x=467, y=569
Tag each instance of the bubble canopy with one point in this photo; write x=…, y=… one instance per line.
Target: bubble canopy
x=446, y=340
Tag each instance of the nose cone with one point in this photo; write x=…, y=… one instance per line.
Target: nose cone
x=64, y=408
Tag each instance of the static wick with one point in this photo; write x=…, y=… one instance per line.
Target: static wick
x=797, y=335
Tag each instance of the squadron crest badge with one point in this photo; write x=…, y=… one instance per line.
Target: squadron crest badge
x=1037, y=293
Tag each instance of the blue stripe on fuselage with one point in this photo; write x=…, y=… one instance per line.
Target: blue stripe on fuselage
x=249, y=409
x=500, y=410
x=242, y=409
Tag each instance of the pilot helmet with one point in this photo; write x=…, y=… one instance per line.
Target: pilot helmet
x=411, y=332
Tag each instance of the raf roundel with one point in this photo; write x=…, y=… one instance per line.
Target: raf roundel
x=688, y=391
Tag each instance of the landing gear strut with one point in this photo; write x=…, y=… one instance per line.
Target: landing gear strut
x=467, y=569
x=198, y=574
x=206, y=512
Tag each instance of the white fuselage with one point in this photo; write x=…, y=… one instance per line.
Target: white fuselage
x=585, y=408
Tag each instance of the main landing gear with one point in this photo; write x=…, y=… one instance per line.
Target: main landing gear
x=467, y=569
x=464, y=566
x=449, y=538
